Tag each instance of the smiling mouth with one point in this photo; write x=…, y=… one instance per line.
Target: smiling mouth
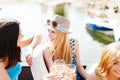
x=118, y=72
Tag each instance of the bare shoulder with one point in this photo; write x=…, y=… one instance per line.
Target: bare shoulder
x=91, y=77
x=76, y=41
x=2, y=66
x=3, y=73
x=46, y=51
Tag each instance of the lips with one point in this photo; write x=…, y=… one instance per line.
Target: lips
x=117, y=73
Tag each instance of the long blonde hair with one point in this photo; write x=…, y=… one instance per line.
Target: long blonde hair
x=110, y=54
x=61, y=47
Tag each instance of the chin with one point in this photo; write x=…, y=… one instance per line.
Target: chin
x=51, y=40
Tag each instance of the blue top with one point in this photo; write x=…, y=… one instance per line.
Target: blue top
x=78, y=76
x=14, y=71
x=72, y=45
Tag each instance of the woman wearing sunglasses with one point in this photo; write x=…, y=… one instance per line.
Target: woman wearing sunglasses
x=62, y=47
x=59, y=46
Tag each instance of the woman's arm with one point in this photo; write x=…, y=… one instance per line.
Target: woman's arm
x=33, y=41
x=48, y=58
x=36, y=40
x=80, y=67
x=26, y=42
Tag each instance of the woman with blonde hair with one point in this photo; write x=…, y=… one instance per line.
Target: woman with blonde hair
x=59, y=46
x=109, y=66
x=62, y=47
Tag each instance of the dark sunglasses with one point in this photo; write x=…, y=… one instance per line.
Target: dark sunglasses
x=53, y=23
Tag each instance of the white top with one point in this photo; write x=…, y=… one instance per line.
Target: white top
x=38, y=67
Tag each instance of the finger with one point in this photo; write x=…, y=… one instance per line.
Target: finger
x=29, y=59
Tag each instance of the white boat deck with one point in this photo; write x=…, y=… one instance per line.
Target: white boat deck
x=103, y=22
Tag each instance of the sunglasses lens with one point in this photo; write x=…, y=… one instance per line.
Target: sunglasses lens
x=48, y=22
x=54, y=24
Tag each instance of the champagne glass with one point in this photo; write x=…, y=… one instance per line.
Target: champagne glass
x=58, y=67
x=70, y=71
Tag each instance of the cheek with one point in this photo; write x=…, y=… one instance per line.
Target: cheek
x=52, y=36
x=115, y=72
x=19, y=41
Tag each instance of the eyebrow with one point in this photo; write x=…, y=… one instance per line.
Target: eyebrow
x=117, y=61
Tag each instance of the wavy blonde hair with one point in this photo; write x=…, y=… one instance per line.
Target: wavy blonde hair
x=109, y=56
x=61, y=47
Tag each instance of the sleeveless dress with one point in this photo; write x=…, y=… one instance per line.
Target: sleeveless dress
x=14, y=71
x=72, y=45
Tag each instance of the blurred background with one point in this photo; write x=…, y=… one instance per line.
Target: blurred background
x=33, y=14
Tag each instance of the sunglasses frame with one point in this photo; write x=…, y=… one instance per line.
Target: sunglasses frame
x=53, y=23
